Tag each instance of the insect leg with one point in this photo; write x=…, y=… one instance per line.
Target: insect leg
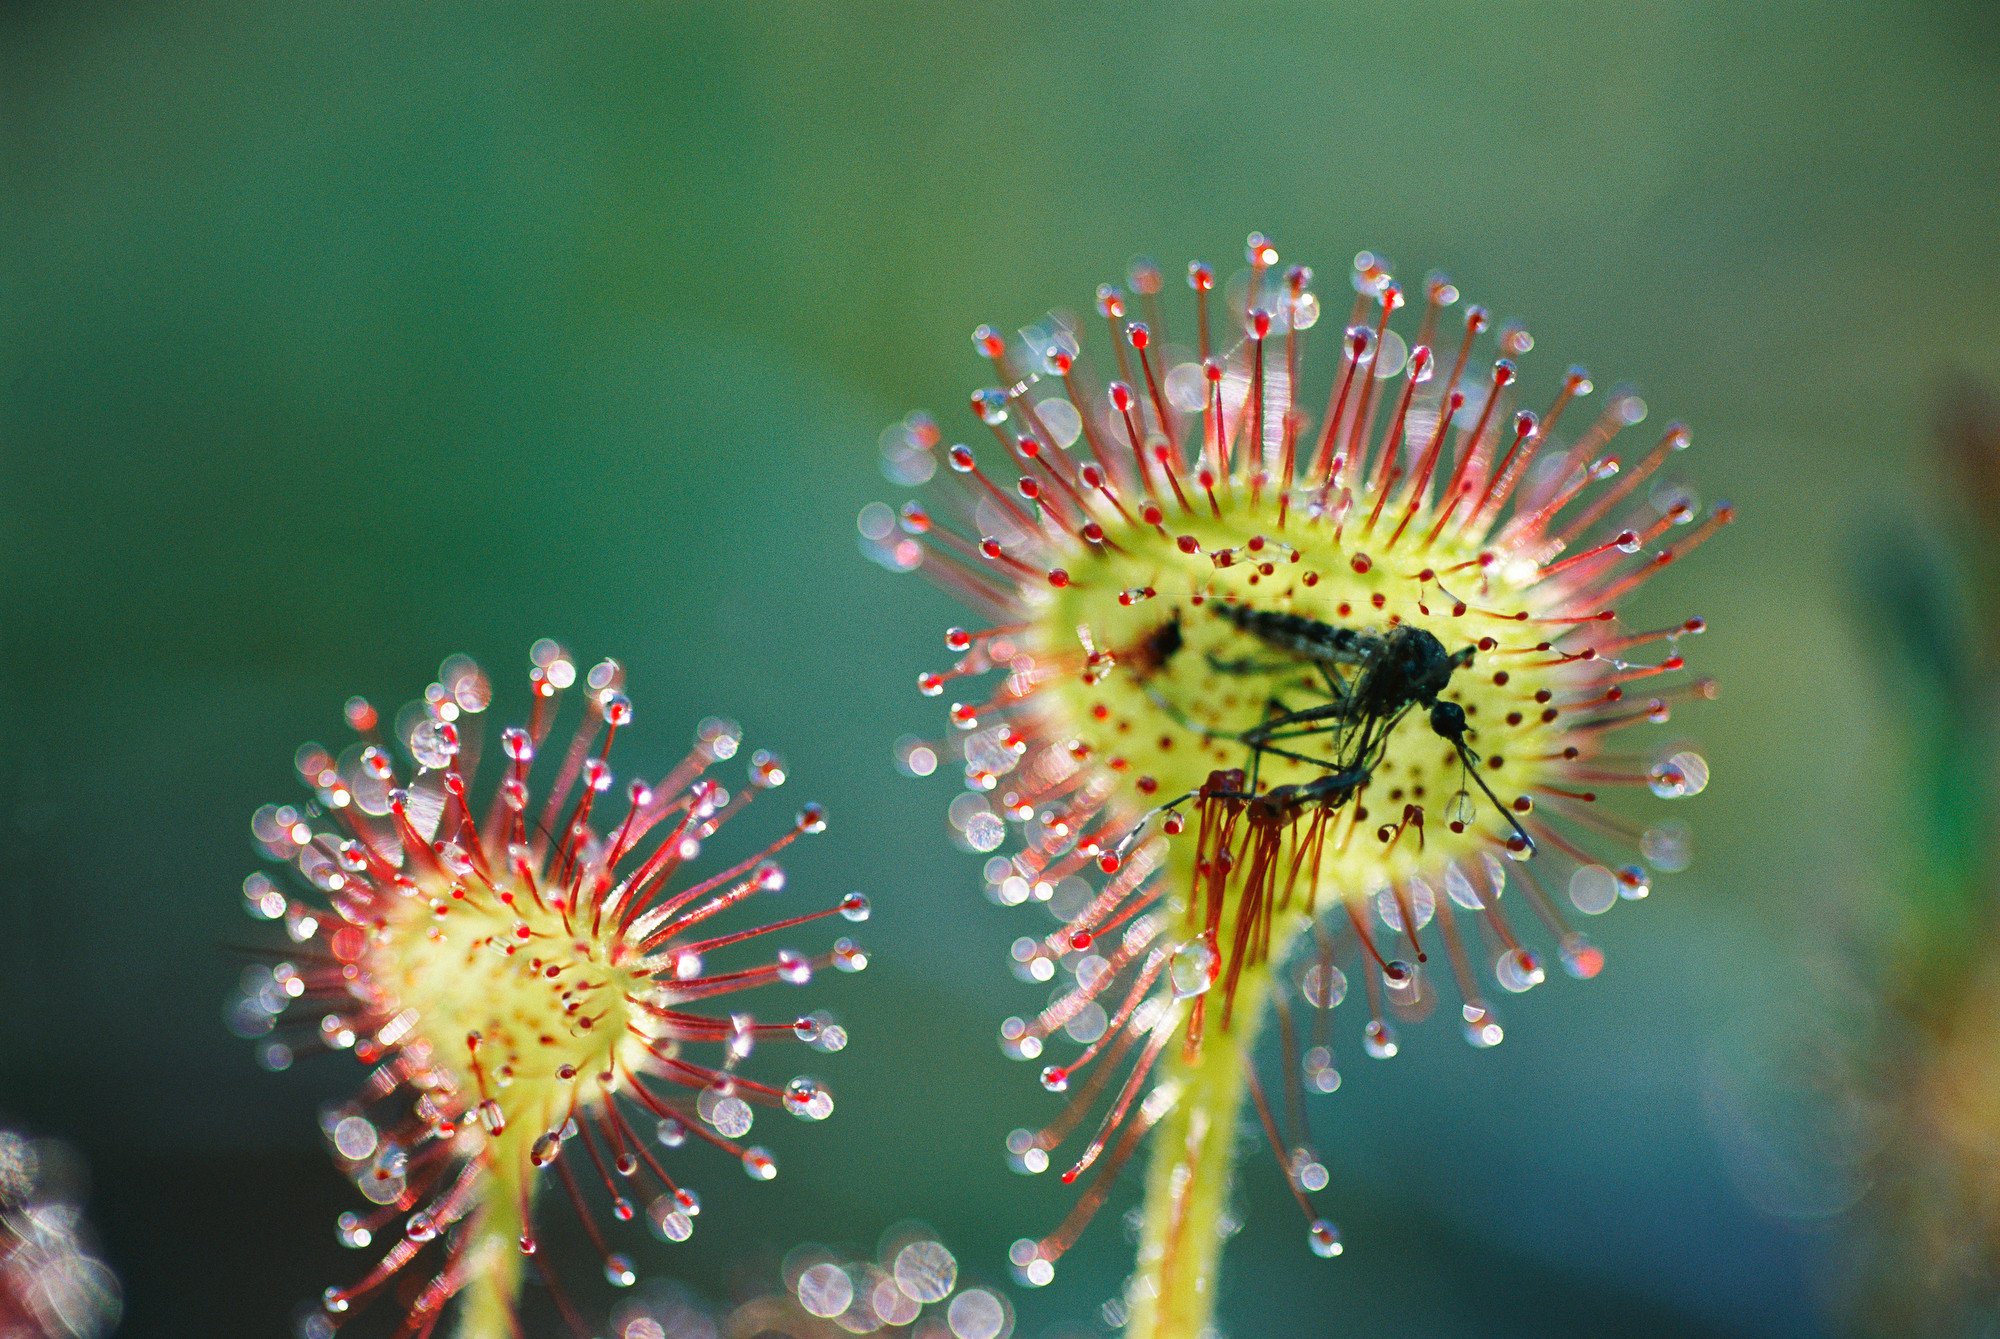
x=1285, y=753
x=1173, y=713
x=1246, y=665
x=1337, y=712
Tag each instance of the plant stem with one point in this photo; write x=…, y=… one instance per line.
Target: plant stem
x=487, y=1304
x=1189, y=1178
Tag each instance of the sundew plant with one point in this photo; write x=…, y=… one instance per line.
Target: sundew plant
x=1268, y=689
x=542, y=983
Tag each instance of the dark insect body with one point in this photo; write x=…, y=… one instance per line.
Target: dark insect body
x=1373, y=679
x=1157, y=647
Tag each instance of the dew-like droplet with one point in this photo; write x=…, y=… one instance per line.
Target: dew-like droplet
x=758, y=1164
x=1482, y=1029
x=876, y=521
x=854, y=907
x=767, y=769
x=977, y=1314
x=1061, y=419
x=914, y=757
x=730, y=1115
x=617, y=709
x=984, y=831
x=1187, y=387
x=1324, y=1238
x=1320, y=1075
x=1307, y=1171
x=517, y=745
x=825, y=1290
x=1378, y=1039
x=354, y=1138
x=545, y=1148
x=991, y=405
x=886, y=1301
x=1193, y=969
x=1030, y=1270
x=1517, y=970
x=1668, y=847
x=1323, y=985
x=262, y=898
x=1056, y=1079
x=668, y=1220
x=1025, y=1154
x=1088, y=1024
x=454, y=858
x=1390, y=357
x=1666, y=780
x=1459, y=811
x=619, y=1271
x=1593, y=889
x=806, y=1099
x=1581, y=958
x=433, y=743
x=1016, y=1041
x=1460, y=890
x=353, y=1235
x=925, y=1271
x=1423, y=904
x=1694, y=771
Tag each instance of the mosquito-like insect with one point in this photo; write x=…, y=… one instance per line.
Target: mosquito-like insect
x=1373, y=680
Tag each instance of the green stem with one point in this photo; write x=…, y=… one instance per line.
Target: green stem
x=1188, y=1180
x=487, y=1304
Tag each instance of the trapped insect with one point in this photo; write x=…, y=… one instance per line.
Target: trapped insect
x=1373, y=679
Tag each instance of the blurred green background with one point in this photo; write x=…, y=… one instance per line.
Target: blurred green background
x=338, y=338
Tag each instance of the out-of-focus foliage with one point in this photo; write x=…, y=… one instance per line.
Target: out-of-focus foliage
x=1925, y=1237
